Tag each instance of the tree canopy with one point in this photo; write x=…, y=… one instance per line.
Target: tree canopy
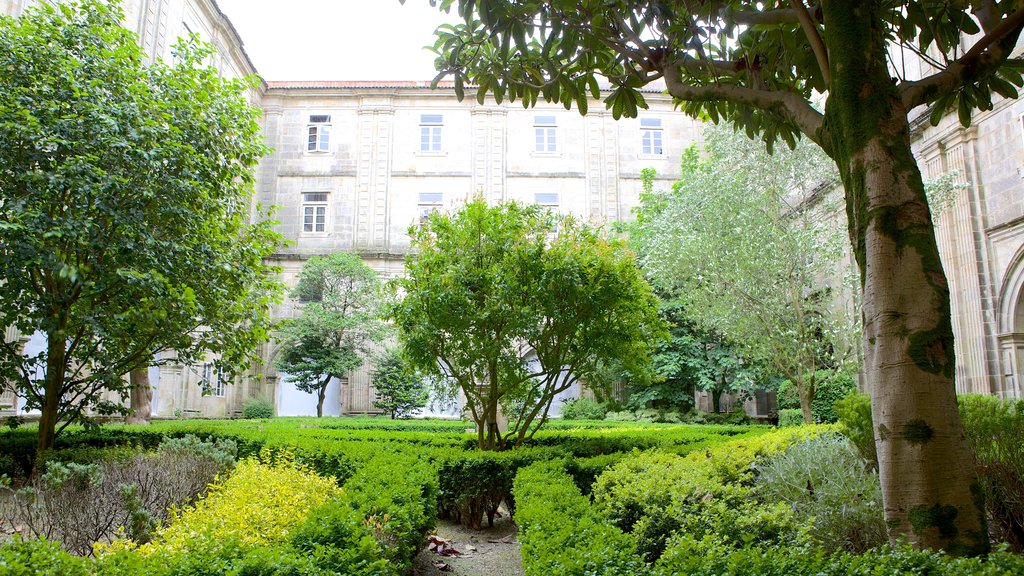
x=340, y=320
x=401, y=391
x=732, y=244
x=762, y=66
x=125, y=215
x=511, y=306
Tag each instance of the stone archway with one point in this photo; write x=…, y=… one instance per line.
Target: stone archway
x=1011, y=329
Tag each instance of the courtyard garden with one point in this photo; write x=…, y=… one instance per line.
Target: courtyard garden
x=362, y=496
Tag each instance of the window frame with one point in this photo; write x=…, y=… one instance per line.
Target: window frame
x=211, y=380
x=318, y=134
x=431, y=131
x=652, y=129
x=323, y=204
x=545, y=135
x=428, y=203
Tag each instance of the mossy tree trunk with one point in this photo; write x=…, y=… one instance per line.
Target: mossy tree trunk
x=928, y=482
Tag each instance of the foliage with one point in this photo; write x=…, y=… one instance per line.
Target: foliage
x=692, y=358
x=340, y=320
x=510, y=309
x=125, y=227
x=744, y=266
x=831, y=387
x=994, y=429
x=654, y=495
x=856, y=424
x=85, y=495
x=707, y=557
x=790, y=417
x=257, y=408
x=560, y=533
x=849, y=76
x=400, y=390
x=825, y=481
x=583, y=409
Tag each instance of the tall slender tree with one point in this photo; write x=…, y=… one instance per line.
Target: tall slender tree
x=760, y=65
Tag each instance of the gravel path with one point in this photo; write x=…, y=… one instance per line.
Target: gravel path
x=490, y=552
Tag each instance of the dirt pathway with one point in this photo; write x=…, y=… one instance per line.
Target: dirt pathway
x=490, y=552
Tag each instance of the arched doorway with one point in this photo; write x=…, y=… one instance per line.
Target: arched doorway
x=1011, y=329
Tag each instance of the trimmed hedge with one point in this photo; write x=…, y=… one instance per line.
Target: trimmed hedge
x=560, y=533
x=272, y=517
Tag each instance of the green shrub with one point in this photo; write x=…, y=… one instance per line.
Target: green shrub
x=831, y=388
x=826, y=482
x=623, y=416
x=994, y=428
x=654, y=494
x=855, y=423
x=583, y=409
x=707, y=557
x=791, y=417
x=257, y=408
x=560, y=533
x=787, y=396
x=35, y=557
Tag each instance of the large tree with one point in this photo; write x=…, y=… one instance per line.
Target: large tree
x=761, y=65
x=731, y=243
x=511, y=306
x=124, y=211
x=340, y=321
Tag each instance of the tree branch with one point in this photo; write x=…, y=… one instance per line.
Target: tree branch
x=788, y=105
x=813, y=37
x=981, y=60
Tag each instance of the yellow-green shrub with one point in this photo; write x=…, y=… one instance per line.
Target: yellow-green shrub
x=257, y=505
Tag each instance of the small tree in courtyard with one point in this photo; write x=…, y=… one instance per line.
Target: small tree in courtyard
x=512, y=306
x=339, y=323
x=401, y=391
x=124, y=211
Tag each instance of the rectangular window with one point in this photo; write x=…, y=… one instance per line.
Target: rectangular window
x=428, y=202
x=547, y=199
x=430, y=132
x=319, y=133
x=314, y=212
x=545, y=131
x=650, y=137
x=211, y=381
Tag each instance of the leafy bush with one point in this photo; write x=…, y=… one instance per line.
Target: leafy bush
x=831, y=388
x=583, y=409
x=560, y=533
x=825, y=481
x=707, y=557
x=856, y=424
x=791, y=417
x=994, y=429
x=257, y=505
x=654, y=494
x=257, y=408
x=85, y=494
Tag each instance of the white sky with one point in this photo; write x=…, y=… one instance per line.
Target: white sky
x=337, y=39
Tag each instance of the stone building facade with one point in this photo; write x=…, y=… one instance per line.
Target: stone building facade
x=356, y=163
